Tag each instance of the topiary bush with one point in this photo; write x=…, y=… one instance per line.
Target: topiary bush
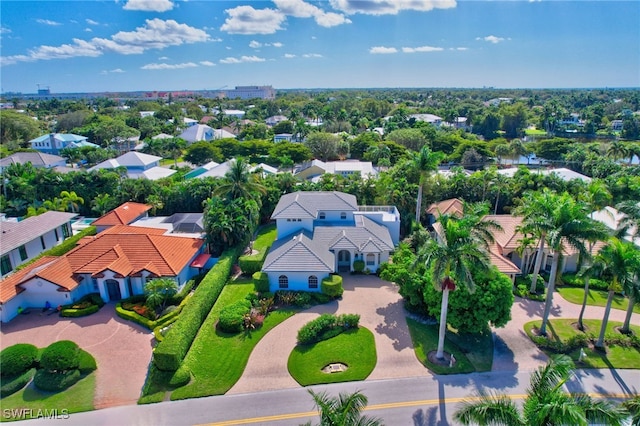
x=12, y=384
x=17, y=359
x=181, y=377
x=326, y=326
x=332, y=286
x=56, y=381
x=358, y=266
x=81, y=312
x=60, y=356
x=261, y=282
x=86, y=362
x=231, y=318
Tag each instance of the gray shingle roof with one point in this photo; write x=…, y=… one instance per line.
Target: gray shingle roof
x=307, y=204
x=346, y=237
x=299, y=253
x=13, y=235
x=37, y=159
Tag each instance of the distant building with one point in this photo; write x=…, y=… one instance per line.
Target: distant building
x=312, y=170
x=52, y=143
x=251, y=92
x=37, y=159
x=138, y=165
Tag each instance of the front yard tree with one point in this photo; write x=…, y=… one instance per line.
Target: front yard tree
x=425, y=162
x=323, y=146
x=159, y=291
x=203, y=152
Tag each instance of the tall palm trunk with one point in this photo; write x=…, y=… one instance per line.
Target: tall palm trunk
x=419, y=203
x=584, y=303
x=550, y=289
x=536, y=268
x=627, y=318
x=605, y=319
x=443, y=323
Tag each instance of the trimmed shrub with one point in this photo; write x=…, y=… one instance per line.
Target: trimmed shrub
x=251, y=264
x=231, y=318
x=12, y=384
x=325, y=327
x=86, y=362
x=320, y=298
x=332, y=286
x=261, y=281
x=16, y=359
x=60, y=356
x=302, y=299
x=170, y=352
x=74, y=313
x=358, y=265
x=181, y=377
x=572, y=280
x=55, y=382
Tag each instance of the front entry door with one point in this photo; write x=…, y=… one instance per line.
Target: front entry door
x=113, y=288
x=344, y=261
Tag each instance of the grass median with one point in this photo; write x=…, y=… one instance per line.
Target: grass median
x=596, y=298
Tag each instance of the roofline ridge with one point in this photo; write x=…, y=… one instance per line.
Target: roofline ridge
x=153, y=243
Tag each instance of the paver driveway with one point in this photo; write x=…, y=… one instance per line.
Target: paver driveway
x=121, y=348
x=381, y=311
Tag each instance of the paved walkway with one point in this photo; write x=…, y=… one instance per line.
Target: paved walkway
x=121, y=348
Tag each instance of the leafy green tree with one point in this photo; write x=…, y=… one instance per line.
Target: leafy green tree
x=201, y=153
x=239, y=182
x=546, y=403
x=102, y=203
x=158, y=291
x=412, y=139
x=344, y=410
x=323, y=146
x=501, y=151
x=17, y=129
x=296, y=151
x=633, y=407
x=71, y=200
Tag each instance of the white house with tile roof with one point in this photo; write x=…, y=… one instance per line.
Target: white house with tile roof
x=138, y=165
x=320, y=233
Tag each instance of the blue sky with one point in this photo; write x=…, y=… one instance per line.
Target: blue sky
x=125, y=45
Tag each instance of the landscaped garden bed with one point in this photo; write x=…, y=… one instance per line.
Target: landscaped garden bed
x=87, y=305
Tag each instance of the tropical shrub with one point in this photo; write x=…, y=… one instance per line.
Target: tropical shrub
x=56, y=381
x=86, y=362
x=12, y=384
x=60, y=356
x=80, y=312
x=332, y=286
x=325, y=327
x=17, y=359
x=261, y=282
x=86, y=305
x=358, y=265
x=231, y=318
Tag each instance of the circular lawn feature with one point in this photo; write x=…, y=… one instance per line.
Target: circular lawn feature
x=354, y=348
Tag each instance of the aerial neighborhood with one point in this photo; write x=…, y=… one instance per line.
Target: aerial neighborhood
x=190, y=245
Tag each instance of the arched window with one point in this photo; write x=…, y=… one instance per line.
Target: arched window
x=283, y=281
x=343, y=215
x=371, y=259
x=313, y=281
x=321, y=216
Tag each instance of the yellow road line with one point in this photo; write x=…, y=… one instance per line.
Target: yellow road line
x=385, y=406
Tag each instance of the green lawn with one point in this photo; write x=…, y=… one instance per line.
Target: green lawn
x=217, y=359
x=77, y=398
x=615, y=356
x=355, y=348
x=473, y=352
x=596, y=298
x=266, y=237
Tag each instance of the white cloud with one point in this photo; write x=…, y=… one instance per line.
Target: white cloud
x=389, y=7
x=381, y=50
x=460, y=48
x=155, y=34
x=48, y=22
x=422, y=49
x=4, y=30
x=255, y=44
x=164, y=66
x=113, y=71
x=117, y=70
x=277, y=44
x=247, y=20
x=491, y=39
x=88, y=30
x=149, y=5
x=231, y=60
x=163, y=58
x=301, y=9
x=312, y=55
x=91, y=22
x=207, y=64
x=289, y=55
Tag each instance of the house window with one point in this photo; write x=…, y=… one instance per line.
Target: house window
x=343, y=215
x=283, y=281
x=95, y=284
x=44, y=247
x=5, y=264
x=57, y=236
x=313, y=281
x=288, y=220
x=321, y=216
x=548, y=263
x=23, y=253
x=66, y=232
x=371, y=259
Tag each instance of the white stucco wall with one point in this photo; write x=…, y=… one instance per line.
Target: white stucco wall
x=298, y=281
x=334, y=216
x=285, y=227
x=38, y=292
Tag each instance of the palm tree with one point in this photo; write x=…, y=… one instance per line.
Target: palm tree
x=425, y=162
x=597, y=197
x=619, y=263
x=239, y=182
x=458, y=250
x=630, y=222
x=102, y=203
x=633, y=150
x=518, y=149
x=617, y=150
x=379, y=152
x=633, y=407
x=537, y=212
x=343, y=410
x=71, y=200
x=571, y=226
x=546, y=403
x=632, y=290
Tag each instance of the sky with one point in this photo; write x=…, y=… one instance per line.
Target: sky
x=130, y=45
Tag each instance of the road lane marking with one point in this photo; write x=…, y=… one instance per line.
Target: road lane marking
x=401, y=404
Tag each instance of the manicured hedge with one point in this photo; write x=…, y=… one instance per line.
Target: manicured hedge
x=332, y=286
x=62, y=355
x=18, y=358
x=326, y=326
x=146, y=322
x=251, y=264
x=86, y=362
x=169, y=353
x=231, y=318
x=56, y=381
x=12, y=384
x=261, y=281
x=74, y=313
x=358, y=265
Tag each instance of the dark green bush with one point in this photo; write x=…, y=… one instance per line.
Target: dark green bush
x=358, y=265
x=332, y=286
x=181, y=377
x=16, y=359
x=168, y=310
x=251, y=264
x=573, y=280
x=86, y=362
x=170, y=352
x=320, y=298
x=60, y=356
x=261, y=282
x=74, y=313
x=325, y=327
x=54, y=381
x=12, y=384
x=231, y=318
x=302, y=299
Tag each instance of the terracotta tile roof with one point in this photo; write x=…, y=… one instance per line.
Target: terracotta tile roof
x=125, y=250
x=508, y=238
x=450, y=206
x=503, y=264
x=122, y=215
